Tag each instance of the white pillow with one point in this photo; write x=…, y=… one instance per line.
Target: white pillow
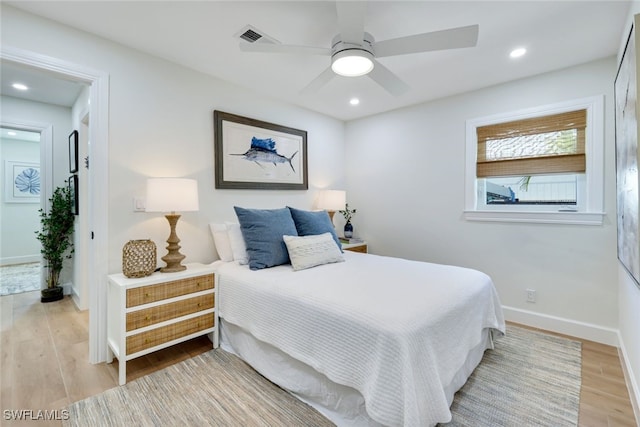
x=222, y=242
x=238, y=247
x=311, y=251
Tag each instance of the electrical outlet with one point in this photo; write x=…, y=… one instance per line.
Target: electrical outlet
x=531, y=295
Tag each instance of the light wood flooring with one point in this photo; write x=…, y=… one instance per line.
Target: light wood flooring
x=44, y=353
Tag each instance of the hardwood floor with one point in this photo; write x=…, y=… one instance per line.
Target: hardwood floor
x=44, y=353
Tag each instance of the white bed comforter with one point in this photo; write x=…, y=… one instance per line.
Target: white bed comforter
x=395, y=330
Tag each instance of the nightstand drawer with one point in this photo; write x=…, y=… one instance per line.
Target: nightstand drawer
x=149, y=316
x=139, y=342
x=147, y=294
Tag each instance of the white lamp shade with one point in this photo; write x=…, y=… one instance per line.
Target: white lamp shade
x=332, y=200
x=172, y=195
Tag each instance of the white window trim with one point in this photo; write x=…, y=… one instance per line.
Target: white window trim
x=593, y=210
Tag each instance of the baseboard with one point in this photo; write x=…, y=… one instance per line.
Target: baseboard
x=11, y=260
x=67, y=288
x=630, y=379
x=583, y=330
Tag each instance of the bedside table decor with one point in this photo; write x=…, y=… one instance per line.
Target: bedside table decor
x=139, y=258
x=171, y=195
x=331, y=201
x=348, y=214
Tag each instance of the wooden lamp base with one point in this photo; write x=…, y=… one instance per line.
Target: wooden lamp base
x=173, y=258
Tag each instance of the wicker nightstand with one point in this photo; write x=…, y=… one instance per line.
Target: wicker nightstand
x=154, y=312
x=356, y=247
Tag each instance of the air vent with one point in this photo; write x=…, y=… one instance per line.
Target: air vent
x=251, y=34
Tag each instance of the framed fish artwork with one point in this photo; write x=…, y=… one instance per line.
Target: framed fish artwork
x=252, y=154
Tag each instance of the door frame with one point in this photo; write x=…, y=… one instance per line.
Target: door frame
x=98, y=184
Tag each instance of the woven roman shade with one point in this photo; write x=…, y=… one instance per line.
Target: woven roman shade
x=539, y=145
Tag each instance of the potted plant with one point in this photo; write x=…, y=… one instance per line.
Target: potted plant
x=56, y=240
x=348, y=214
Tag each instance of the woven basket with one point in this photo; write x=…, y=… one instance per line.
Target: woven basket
x=138, y=258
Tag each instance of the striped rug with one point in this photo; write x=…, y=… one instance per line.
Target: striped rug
x=530, y=379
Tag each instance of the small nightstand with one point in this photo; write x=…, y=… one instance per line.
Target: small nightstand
x=154, y=312
x=355, y=247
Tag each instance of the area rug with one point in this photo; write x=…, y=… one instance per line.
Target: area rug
x=15, y=279
x=530, y=379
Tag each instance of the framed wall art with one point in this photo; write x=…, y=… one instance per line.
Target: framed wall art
x=626, y=123
x=252, y=154
x=22, y=182
x=73, y=152
x=73, y=189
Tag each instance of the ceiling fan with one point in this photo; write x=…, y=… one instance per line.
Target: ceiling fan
x=353, y=51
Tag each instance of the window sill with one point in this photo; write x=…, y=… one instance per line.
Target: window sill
x=575, y=218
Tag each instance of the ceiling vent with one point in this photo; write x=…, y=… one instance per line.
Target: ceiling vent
x=251, y=34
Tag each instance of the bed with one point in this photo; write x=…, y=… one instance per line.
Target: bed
x=365, y=339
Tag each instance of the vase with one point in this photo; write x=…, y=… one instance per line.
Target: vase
x=138, y=258
x=348, y=230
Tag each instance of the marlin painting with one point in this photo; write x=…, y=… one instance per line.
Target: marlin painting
x=263, y=150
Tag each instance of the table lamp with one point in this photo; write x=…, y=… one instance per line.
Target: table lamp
x=332, y=201
x=171, y=195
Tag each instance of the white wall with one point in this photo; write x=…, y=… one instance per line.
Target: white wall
x=408, y=187
x=629, y=292
x=57, y=116
x=18, y=221
x=161, y=124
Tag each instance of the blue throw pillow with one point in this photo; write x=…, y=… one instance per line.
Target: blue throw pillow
x=262, y=230
x=311, y=223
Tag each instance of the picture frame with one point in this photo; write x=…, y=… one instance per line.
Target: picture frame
x=73, y=189
x=73, y=152
x=627, y=160
x=253, y=154
x=22, y=182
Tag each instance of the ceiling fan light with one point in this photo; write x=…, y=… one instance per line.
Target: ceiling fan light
x=352, y=63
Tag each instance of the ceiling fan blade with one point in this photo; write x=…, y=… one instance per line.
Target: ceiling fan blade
x=453, y=38
x=389, y=81
x=318, y=82
x=351, y=20
x=284, y=48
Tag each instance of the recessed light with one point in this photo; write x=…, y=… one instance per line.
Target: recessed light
x=517, y=53
x=19, y=86
x=11, y=133
x=354, y=101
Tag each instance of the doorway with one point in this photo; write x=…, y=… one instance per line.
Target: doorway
x=19, y=211
x=97, y=180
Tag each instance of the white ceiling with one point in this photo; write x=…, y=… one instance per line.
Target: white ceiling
x=200, y=35
x=42, y=86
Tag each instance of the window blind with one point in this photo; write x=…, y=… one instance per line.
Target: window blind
x=540, y=145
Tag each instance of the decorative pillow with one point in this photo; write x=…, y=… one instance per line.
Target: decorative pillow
x=262, y=230
x=236, y=240
x=310, y=223
x=311, y=251
x=221, y=240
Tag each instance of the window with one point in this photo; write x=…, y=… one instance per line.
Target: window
x=539, y=165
